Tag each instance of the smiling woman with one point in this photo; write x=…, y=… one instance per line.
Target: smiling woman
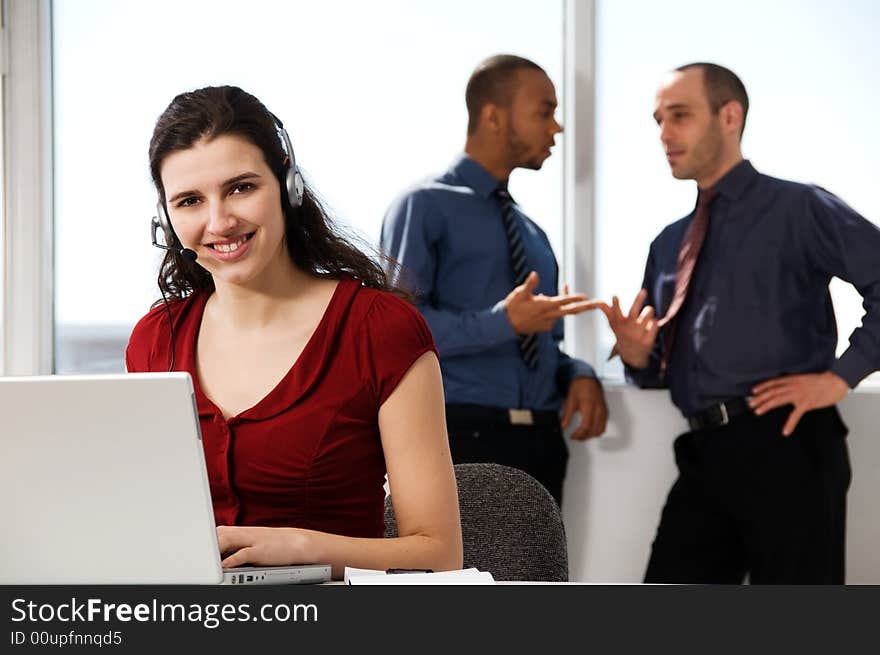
x=221, y=194
x=214, y=147
x=312, y=378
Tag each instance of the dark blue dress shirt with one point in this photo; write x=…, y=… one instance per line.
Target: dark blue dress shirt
x=759, y=306
x=448, y=235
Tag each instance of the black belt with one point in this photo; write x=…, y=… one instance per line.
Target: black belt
x=462, y=413
x=720, y=414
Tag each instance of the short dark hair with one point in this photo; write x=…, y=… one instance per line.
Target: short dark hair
x=493, y=81
x=721, y=86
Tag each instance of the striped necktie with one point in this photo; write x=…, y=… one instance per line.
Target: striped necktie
x=528, y=343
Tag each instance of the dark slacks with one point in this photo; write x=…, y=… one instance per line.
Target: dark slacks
x=540, y=451
x=750, y=501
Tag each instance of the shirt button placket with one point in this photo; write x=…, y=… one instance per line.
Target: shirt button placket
x=225, y=447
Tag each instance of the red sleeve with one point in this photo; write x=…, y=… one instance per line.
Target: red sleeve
x=396, y=336
x=149, y=343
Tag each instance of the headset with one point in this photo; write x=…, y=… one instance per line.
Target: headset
x=292, y=191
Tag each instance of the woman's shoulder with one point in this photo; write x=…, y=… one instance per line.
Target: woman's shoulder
x=391, y=335
x=150, y=337
x=156, y=320
x=152, y=318
x=391, y=322
x=385, y=307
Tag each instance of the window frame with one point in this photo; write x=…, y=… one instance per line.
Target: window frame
x=578, y=233
x=26, y=332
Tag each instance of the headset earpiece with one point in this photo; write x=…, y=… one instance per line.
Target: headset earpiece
x=295, y=188
x=293, y=181
x=164, y=223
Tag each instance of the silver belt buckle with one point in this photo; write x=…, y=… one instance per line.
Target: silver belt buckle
x=521, y=417
x=725, y=419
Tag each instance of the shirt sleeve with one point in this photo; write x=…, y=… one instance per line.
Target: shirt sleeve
x=143, y=347
x=567, y=368
x=410, y=235
x=842, y=243
x=396, y=335
x=570, y=368
x=648, y=377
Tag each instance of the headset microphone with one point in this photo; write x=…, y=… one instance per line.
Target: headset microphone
x=189, y=255
x=160, y=222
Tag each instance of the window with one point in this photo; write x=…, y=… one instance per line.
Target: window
x=371, y=93
x=809, y=69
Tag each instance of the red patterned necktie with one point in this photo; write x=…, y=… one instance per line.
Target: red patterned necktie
x=687, y=261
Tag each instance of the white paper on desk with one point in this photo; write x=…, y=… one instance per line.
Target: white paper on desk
x=351, y=571
x=460, y=577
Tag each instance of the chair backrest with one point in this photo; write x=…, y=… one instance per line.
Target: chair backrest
x=510, y=524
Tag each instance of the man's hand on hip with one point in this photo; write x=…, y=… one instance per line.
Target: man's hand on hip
x=529, y=312
x=805, y=392
x=585, y=396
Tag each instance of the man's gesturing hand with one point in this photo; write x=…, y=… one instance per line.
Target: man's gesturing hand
x=635, y=331
x=529, y=312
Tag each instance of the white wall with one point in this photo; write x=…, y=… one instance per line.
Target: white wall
x=617, y=485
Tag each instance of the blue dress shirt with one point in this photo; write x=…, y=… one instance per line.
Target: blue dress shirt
x=448, y=235
x=759, y=306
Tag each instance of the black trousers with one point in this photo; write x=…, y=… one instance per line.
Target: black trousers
x=540, y=451
x=750, y=501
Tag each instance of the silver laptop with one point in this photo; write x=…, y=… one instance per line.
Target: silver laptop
x=103, y=481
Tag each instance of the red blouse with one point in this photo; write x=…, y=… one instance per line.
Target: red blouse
x=309, y=454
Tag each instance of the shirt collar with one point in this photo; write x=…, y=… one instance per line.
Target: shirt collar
x=475, y=176
x=737, y=180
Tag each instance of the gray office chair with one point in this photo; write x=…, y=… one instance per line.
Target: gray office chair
x=510, y=524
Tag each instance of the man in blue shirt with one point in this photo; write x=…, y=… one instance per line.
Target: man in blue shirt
x=486, y=280
x=735, y=317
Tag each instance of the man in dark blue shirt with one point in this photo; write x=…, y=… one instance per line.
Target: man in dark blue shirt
x=486, y=280
x=735, y=317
